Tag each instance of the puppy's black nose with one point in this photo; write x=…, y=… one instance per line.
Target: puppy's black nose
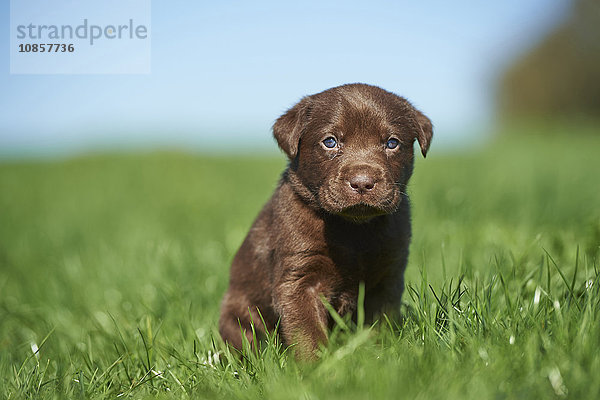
x=362, y=182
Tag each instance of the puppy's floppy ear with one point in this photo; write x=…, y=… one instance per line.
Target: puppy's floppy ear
x=425, y=132
x=288, y=128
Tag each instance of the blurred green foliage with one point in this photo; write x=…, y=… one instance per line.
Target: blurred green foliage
x=559, y=77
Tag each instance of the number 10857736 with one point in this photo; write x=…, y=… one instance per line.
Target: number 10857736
x=46, y=48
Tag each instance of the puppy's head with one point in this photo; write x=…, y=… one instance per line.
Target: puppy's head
x=351, y=149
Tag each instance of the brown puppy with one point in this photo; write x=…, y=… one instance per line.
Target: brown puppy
x=340, y=216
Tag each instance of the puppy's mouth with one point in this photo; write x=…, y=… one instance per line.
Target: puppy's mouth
x=361, y=212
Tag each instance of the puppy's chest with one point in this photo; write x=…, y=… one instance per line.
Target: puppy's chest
x=366, y=261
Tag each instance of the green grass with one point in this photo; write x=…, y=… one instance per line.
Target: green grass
x=114, y=267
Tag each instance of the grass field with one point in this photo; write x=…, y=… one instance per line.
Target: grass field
x=112, y=268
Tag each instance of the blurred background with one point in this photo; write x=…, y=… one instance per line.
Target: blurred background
x=222, y=72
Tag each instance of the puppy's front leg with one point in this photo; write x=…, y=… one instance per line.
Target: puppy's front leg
x=303, y=315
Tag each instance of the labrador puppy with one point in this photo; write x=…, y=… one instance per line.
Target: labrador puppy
x=339, y=216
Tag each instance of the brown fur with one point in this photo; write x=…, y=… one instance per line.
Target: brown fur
x=339, y=217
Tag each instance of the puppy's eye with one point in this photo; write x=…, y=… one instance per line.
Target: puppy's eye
x=392, y=143
x=330, y=142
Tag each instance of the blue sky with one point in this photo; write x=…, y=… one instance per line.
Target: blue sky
x=222, y=72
